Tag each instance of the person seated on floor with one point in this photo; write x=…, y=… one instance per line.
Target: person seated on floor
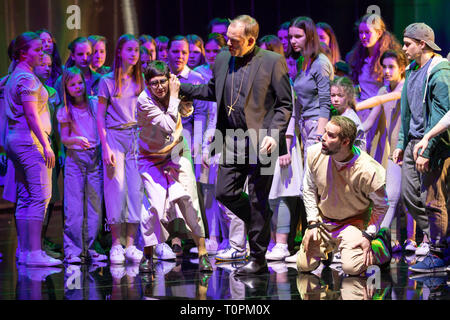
x=345, y=199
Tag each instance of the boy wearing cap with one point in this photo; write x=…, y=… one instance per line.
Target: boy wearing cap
x=424, y=101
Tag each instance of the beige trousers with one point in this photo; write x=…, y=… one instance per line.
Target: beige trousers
x=333, y=238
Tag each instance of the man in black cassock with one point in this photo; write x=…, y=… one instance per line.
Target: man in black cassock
x=253, y=94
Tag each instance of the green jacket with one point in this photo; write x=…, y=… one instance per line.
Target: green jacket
x=436, y=91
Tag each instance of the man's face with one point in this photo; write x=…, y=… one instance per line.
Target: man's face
x=82, y=55
x=331, y=143
x=178, y=56
x=412, y=48
x=238, y=44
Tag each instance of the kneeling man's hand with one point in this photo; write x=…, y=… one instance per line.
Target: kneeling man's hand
x=366, y=247
x=311, y=240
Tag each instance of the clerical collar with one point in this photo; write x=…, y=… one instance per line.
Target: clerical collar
x=245, y=58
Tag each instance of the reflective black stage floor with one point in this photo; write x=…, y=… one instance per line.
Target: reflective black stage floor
x=181, y=280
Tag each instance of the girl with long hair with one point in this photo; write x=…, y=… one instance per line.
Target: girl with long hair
x=149, y=43
x=83, y=181
x=196, y=51
x=312, y=84
x=49, y=46
x=327, y=36
x=28, y=146
x=386, y=118
x=116, y=122
x=343, y=99
x=98, y=44
x=364, y=60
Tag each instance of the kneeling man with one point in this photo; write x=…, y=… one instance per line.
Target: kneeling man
x=345, y=200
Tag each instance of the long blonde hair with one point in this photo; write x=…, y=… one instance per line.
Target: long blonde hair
x=69, y=74
x=118, y=72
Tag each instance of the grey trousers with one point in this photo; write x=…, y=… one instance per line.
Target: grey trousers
x=33, y=178
x=83, y=194
x=414, y=191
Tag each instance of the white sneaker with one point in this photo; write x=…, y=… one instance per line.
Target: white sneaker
x=423, y=249
x=95, y=256
x=133, y=254
x=39, y=258
x=72, y=259
x=211, y=247
x=230, y=254
x=292, y=259
x=279, y=252
x=163, y=252
x=116, y=255
x=132, y=270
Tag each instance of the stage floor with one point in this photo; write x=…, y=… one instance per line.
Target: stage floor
x=180, y=279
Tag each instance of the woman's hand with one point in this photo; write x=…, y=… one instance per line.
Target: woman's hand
x=108, y=156
x=82, y=142
x=285, y=160
x=49, y=157
x=174, y=85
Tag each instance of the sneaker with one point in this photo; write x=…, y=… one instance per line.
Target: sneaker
x=431, y=263
x=423, y=249
x=133, y=254
x=116, y=255
x=279, y=252
x=293, y=258
x=410, y=245
x=72, y=259
x=95, y=256
x=230, y=254
x=39, y=258
x=163, y=252
x=211, y=247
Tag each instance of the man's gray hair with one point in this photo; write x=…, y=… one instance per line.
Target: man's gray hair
x=251, y=26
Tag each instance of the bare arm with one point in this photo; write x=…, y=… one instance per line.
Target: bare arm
x=377, y=100
x=370, y=121
x=70, y=141
x=34, y=121
x=107, y=155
